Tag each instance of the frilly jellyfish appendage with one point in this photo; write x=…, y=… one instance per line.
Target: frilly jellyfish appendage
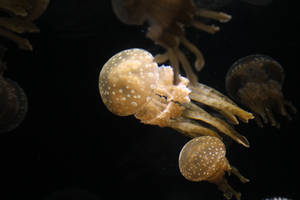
x=256, y=82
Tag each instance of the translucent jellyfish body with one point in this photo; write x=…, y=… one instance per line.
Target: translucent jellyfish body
x=131, y=83
x=21, y=14
x=167, y=19
x=203, y=159
x=256, y=82
x=13, y=105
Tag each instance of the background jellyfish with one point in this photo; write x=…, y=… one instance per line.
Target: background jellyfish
x=203, y=159
x=256, y=82
x=166, y=27
x=13, y=100
x=19, y=19
x=131, y=83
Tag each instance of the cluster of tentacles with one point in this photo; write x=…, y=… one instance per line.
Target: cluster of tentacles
x=17, y=16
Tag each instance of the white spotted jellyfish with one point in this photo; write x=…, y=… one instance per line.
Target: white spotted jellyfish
x=256, y=81
x=203, y=159
x=167, y=20
x=131, y=83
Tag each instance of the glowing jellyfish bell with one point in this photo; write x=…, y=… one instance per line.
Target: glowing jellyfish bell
x=203, y=159
x=131, y=83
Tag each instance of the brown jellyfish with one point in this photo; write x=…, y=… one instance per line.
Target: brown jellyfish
x=203, y=159
x=256, y=82
x=131, y=83
x=19, y=18
x=167, y=19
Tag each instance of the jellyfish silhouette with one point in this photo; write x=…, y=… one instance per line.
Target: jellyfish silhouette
x=256, y=82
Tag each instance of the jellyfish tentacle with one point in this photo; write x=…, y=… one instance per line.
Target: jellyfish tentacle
x=210, y=14
x=290, y=105
x=200, y=61
x=21, y=42
x=18, y=25
x=195, y=112
x=212, y=29
x=186, y=66
x=174, y=63
x=237, y=173
x=271, y=117
x=191, y=129
x=228, y=191
x=161, y=58
x=221, y=104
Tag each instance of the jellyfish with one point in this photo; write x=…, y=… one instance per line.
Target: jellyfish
x=203, y=159
x=131, y=83
x=256, y=82
x=19, y=19
x=13, y=105
x=166, y=28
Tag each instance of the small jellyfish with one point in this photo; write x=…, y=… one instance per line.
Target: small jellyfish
x=19, y=20
x=256, y=82
x=203, y=159
x=13, y=105
x=131, y=83
x=167, y=19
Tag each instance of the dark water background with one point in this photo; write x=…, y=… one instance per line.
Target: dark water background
x=70, y=143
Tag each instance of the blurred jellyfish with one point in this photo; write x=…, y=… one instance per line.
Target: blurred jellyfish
x=18, y=18
x=131, y=83
x=203, y=159
x=256, y=82
x=13, y=105
x=167, y=19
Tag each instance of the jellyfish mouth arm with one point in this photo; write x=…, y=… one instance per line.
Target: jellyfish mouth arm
x=199, y=63
x=18, y=25
x=16, y=7
x=218, y=16
x=21, y=42
x=186, y=66
x=197, y=113
x=191, y=129
x=224, y=186
x=228, y=191
x=237, y=173
x=210, y=14
x=211, y=97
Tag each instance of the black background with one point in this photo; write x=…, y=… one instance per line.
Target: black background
x=70, y=143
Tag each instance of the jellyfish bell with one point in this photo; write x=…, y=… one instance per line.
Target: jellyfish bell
x=131, y=83
x=256, y=82
x=203, y=159
x=13, y=105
